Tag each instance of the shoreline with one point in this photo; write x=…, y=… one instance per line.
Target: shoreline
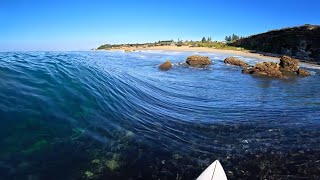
x=243, y=53
x=196, y=49
x=206, y=49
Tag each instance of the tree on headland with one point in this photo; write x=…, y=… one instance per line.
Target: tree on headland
x=232, y=38
x=203, y=40
x=235, y=37
x=228, y=38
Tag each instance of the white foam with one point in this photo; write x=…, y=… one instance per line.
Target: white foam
x=310, y=66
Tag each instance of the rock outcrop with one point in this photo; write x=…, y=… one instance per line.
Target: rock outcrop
x=288, y=67
x=270, y=69
x=301, y=42
x=303, y=73
x=289, y=64
x=198, y=61
x=236, y=62
x=165, y=66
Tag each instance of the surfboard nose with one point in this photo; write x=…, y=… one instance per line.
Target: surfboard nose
x=213, y=172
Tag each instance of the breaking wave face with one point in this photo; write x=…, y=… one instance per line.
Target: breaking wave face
x=114, y=115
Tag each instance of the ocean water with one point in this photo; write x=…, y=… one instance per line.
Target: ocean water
x=114, y=115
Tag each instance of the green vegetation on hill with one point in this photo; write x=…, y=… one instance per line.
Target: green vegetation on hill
x=302, y=42
x=205, y=42
x=214, y=45
x=105, y=46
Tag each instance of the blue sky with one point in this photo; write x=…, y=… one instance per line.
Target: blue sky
x=82, y=25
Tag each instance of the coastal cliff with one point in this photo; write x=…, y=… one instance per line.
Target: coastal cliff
x=302, y=42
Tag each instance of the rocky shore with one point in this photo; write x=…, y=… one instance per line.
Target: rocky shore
x=287, y=67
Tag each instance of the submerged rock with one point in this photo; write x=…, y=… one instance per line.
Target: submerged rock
x=289, y=64
x=165, y=66
x=37, y=146
x=198, y=61
x=89, y=174
x=236, y=62
x=303, y=73
x=113, y=164
x=270, y=69
x=95, y=161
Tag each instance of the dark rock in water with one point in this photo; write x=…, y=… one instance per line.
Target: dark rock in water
x=289, y=64
x=165, y=66
x=302, y=72
x=270, y=69
x=236, y=62
x=198, y=61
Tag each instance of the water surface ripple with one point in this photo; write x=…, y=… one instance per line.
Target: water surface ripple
x=114, y=115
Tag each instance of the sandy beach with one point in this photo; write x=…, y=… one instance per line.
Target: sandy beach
x=202, y=49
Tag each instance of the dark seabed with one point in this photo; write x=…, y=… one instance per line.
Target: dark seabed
x=114, y=115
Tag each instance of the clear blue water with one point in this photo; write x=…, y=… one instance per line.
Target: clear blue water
x=114, y=115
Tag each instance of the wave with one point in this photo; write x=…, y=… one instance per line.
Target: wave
x=122, y=100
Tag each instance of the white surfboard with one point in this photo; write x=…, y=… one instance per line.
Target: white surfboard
x=213, y=172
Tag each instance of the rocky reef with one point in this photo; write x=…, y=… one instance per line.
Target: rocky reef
x=302, y=72
x=265, y=69
x=289, y=64
x=198, y=61
x=193, y=61
x=165, y=66
x=288, y=67
x=302, y=42
x=236, y=62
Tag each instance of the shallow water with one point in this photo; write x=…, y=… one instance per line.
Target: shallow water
x=114, y=115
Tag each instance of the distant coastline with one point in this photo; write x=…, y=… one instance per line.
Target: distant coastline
x=246, y=53
x=242, y=53
x=300, y=42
